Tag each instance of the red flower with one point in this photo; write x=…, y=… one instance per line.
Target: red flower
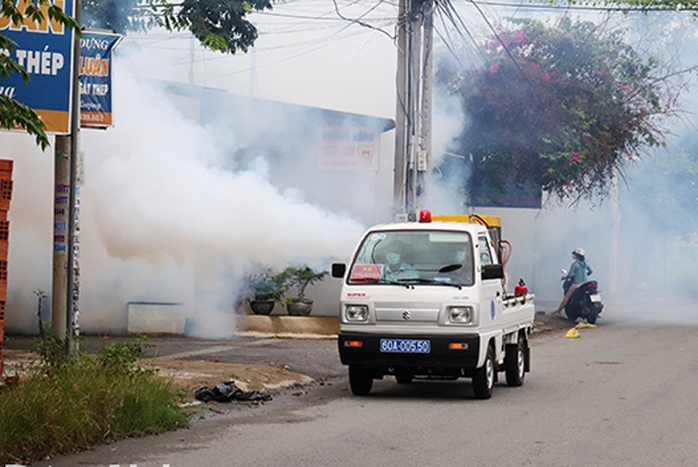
x=520, y=37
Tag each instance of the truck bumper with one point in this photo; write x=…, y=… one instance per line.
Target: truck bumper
x=365, y=350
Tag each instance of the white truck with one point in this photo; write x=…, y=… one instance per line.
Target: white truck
x=427, y=300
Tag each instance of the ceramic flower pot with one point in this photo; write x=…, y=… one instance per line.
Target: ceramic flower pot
x=297, y=307
x=262, y=307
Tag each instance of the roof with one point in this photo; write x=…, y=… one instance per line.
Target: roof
x=223, y=97
x=426, y=226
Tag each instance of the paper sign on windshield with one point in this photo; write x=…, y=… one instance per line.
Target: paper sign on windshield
x=370, y=273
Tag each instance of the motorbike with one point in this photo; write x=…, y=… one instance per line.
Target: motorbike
x=585, y=302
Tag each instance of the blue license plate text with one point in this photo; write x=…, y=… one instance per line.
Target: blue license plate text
x=405, y=346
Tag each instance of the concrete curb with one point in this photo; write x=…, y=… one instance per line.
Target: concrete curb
x=287, y=326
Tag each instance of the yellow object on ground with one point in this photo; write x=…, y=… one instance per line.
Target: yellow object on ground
x=585, y=326
x=572, y=333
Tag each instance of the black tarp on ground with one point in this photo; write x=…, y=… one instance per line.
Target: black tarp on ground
x=228, y=392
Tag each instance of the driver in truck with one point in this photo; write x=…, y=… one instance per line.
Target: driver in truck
x=397, y=270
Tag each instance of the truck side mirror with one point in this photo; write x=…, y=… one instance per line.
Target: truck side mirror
x=492, y=271
x=338, y=270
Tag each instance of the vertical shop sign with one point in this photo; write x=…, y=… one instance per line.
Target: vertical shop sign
x=45, y=50
x=96, y=49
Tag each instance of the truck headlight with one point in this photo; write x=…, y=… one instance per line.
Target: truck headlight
x=356, y=313
x=461, y=314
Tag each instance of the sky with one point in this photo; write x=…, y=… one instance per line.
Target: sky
x=305, y=54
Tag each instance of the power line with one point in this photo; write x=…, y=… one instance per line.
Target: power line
x=589, y=8
x=358, y=20
x=449, y=11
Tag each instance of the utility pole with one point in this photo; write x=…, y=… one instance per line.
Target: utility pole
x=414, y=106
x=61, y=198
x=65, y=286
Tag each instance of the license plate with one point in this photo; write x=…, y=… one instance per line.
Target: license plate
x=405, y=345
x=595, y=298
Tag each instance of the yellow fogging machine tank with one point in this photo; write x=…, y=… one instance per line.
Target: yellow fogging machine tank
x=492, y=223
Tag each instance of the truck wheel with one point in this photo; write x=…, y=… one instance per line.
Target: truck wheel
x=360, y=381
x=403, y=378
x=515, y=363
x=483, y=378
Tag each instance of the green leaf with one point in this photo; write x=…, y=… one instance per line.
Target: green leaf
x=14, y=114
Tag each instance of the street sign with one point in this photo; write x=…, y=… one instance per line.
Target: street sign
x=96, y=78
x=46, y=51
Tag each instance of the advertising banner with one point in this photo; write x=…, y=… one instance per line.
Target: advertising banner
x=45, y=50
x=348, y=148
x=96, y=78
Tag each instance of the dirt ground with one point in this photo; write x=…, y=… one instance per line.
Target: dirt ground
x=187, y=375
x=190, y=375
x=545, y=324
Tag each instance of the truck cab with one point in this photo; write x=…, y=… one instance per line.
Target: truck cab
x=426, y=300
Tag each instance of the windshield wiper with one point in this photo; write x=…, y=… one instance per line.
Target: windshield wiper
x=450, y=268
x=409, y=283
x=437, y=282
x=409, y=286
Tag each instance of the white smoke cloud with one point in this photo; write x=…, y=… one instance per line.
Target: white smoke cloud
x=155, y=191
x=171, y=223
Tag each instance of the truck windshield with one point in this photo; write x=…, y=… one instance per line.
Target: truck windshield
x=414, y=257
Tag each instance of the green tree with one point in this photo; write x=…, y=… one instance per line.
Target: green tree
x=220, y=25
x=561, y=108
x=14, y=114
x=119, y=15
x=647, y=5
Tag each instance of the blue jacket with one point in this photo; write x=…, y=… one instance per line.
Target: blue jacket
x=579, y=271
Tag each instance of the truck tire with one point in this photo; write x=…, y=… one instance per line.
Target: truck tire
x=360, y=381
x=403, y=378
x=515, y=363
x=483, y=378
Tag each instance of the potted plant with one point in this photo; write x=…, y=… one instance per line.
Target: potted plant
x=300, y=278
x=264, y=290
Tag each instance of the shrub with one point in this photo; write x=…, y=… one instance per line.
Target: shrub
x=301, y=278
x=64, y=406
x=267, y=285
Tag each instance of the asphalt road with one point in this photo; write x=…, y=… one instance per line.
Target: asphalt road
x=620, y=395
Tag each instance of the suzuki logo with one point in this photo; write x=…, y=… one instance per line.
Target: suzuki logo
x=406, y=315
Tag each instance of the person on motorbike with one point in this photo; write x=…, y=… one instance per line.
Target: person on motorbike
x=579, y=272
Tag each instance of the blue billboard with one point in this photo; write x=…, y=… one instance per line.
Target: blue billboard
x=45, y=50
x=96, y=50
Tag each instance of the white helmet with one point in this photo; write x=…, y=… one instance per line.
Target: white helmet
x=579, y=252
